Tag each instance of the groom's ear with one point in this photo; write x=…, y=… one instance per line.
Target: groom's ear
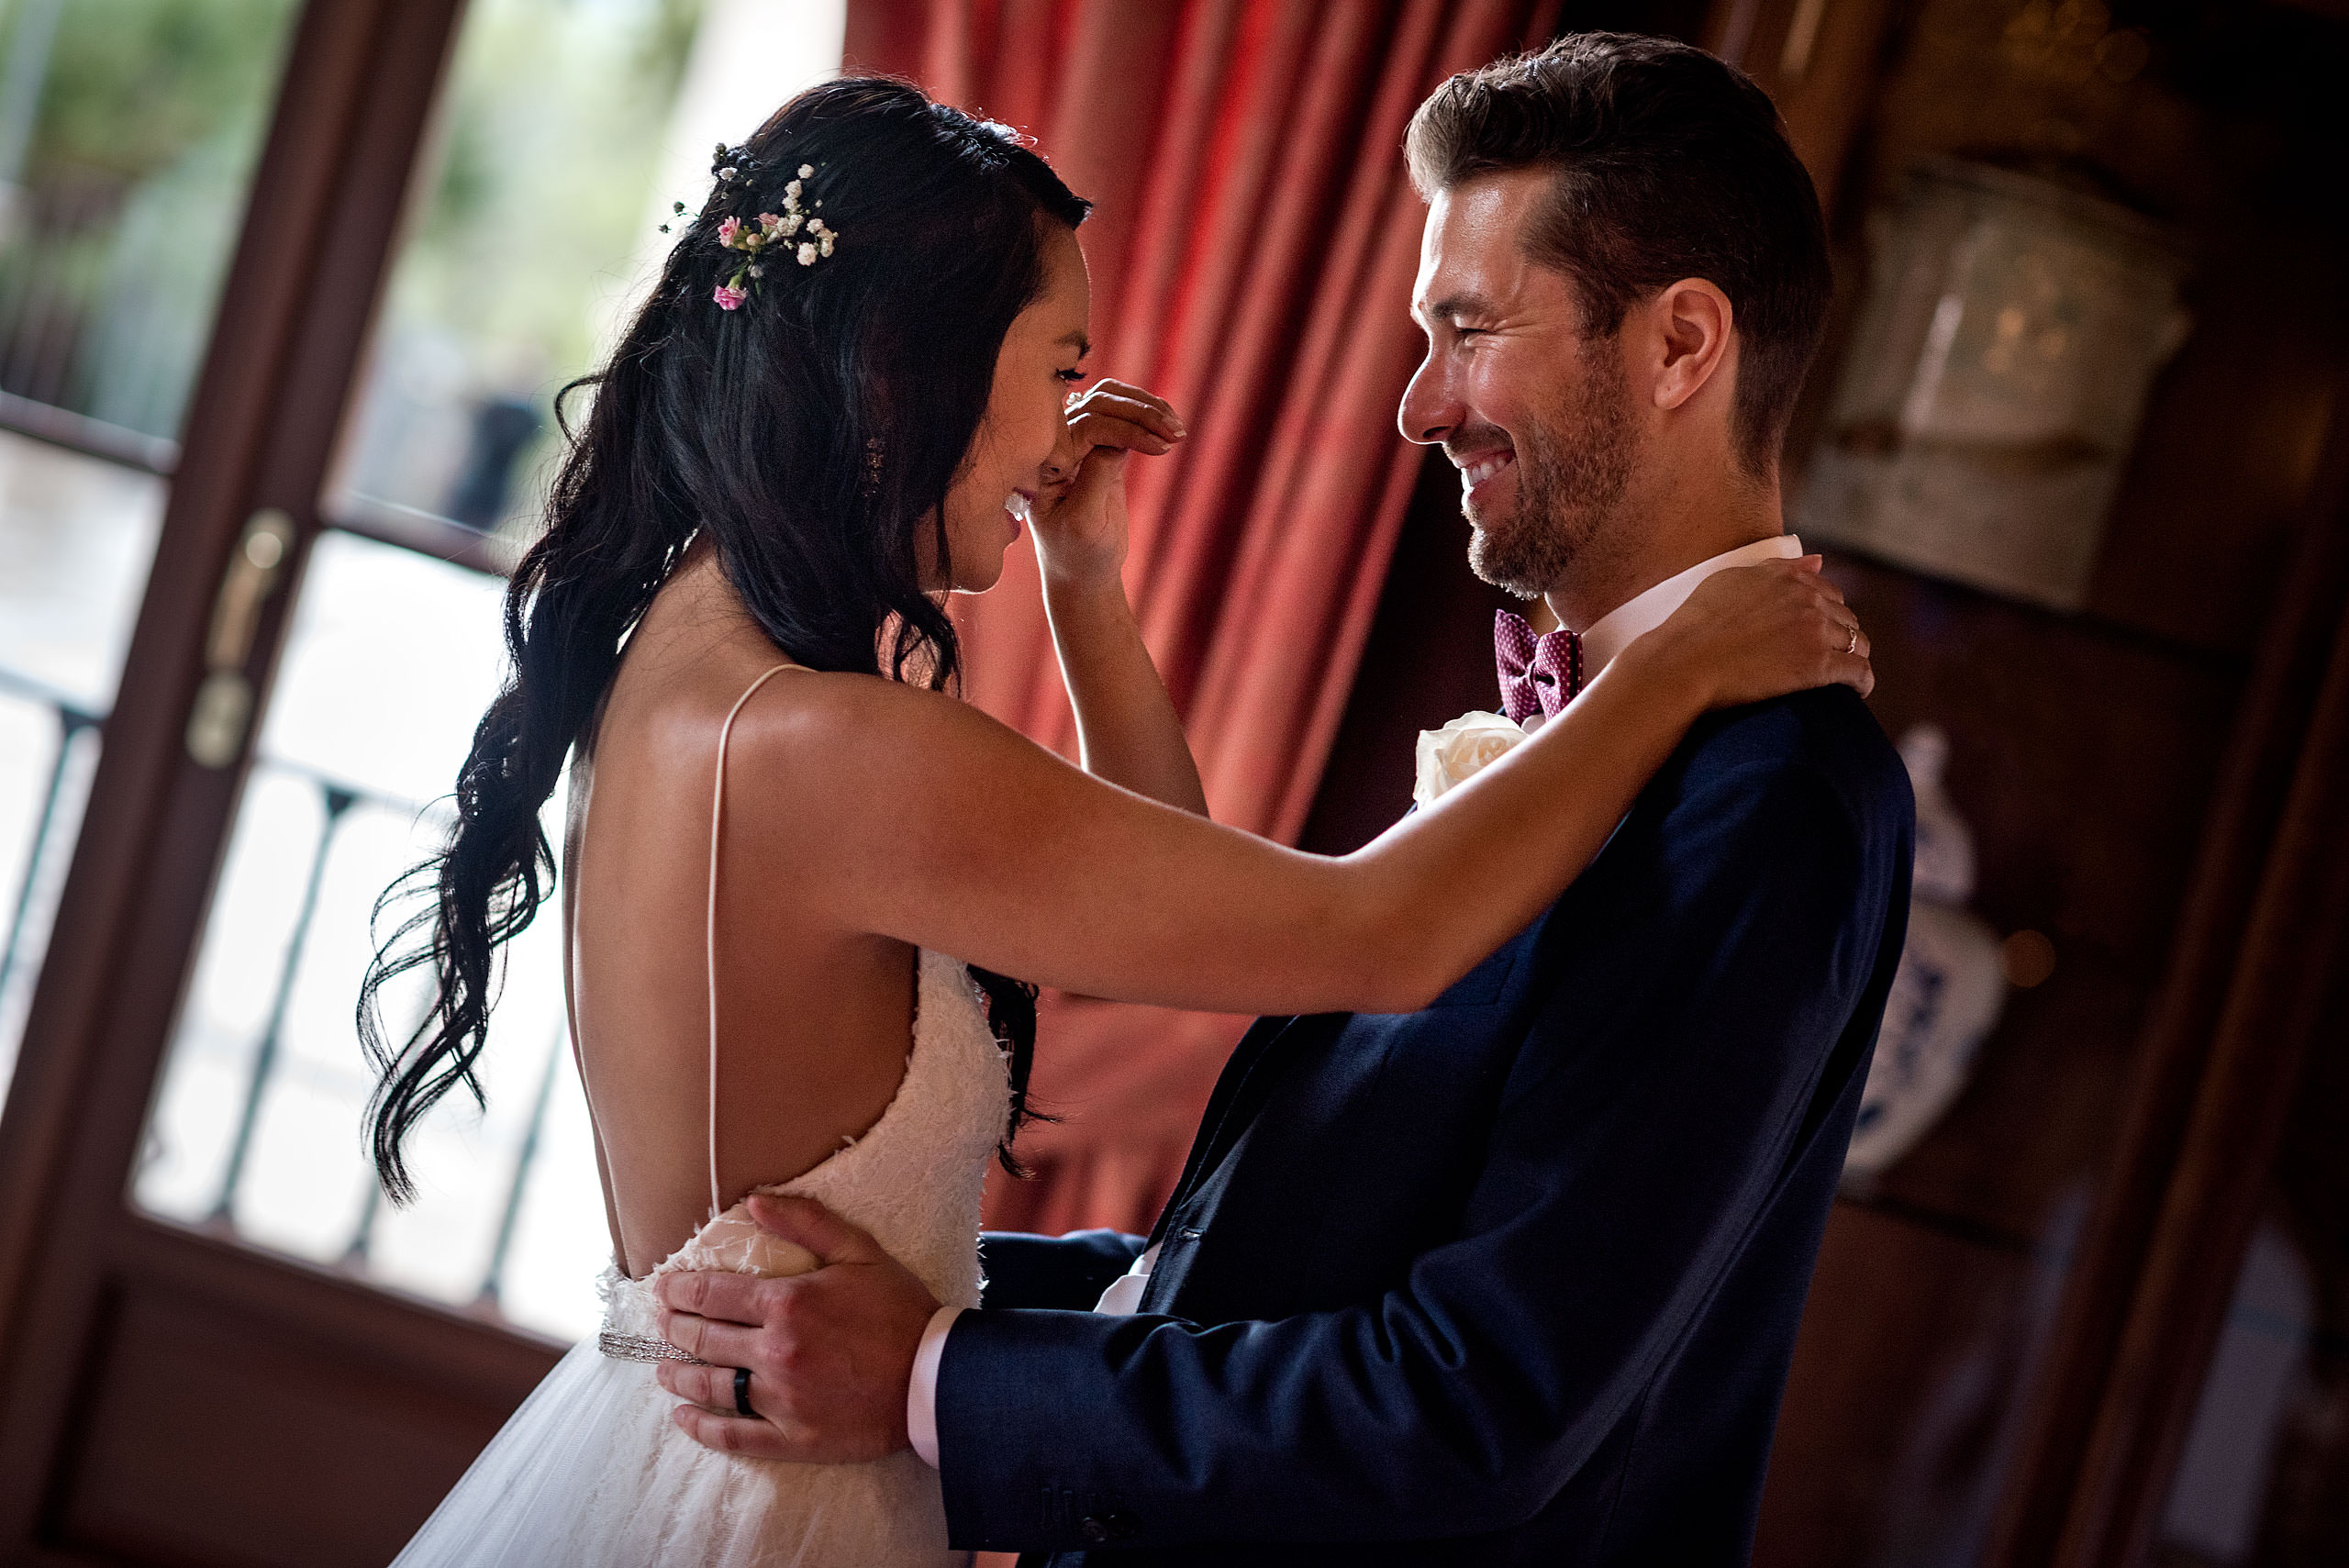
x=1685, y=335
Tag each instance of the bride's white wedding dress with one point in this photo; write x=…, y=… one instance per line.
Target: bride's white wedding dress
x=591, y=1471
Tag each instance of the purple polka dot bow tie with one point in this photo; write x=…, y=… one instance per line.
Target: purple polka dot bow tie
x=1539, y=674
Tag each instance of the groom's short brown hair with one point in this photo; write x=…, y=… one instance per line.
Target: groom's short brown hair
x=1670, y=164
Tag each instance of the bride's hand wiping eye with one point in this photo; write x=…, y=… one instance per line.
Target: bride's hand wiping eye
x=1079, y=514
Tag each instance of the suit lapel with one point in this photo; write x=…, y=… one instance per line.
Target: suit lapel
x=1256, y=1065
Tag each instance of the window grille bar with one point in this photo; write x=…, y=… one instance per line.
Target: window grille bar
x=336, y=801
x=71, y=722
x=360, y=1253
x=493, y=1282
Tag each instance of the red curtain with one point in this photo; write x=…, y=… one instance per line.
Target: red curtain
x=1253, y=246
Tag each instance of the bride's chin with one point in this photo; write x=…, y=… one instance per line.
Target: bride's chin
x=968, y=579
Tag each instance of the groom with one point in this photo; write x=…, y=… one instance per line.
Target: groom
x=1514, y=1279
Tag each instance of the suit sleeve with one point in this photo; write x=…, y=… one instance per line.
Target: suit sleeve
x=1068, y=1272
x=1700, y=986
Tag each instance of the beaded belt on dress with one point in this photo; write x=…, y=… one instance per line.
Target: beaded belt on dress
x=637, y=1348
x=629, y=1309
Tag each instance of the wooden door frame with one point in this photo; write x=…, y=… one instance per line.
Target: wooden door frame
x=327, y=197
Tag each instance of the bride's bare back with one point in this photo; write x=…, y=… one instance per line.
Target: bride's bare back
x=814, y=1022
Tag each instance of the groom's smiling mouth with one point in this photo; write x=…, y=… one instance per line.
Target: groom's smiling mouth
x=1477, y=473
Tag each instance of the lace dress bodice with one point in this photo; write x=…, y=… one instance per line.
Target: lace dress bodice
x=913, y=1180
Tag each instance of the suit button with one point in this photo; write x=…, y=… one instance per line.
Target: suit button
x=1093, y=1529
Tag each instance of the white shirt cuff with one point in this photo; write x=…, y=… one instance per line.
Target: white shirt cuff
x=921, y=1392
x=1123, y=1299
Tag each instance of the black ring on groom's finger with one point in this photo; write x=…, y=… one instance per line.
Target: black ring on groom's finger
x=742, y=1391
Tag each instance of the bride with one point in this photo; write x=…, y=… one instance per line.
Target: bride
x=845, y=395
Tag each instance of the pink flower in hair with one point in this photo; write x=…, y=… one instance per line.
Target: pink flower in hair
x=751, y=238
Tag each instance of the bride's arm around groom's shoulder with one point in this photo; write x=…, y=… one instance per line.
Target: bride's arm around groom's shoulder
x=992, y=848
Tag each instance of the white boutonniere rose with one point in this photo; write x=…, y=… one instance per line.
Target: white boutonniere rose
x=1460, y=751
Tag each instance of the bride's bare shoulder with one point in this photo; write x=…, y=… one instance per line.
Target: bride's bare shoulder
x=808, y=748
x=807, y=727
x=696, y=652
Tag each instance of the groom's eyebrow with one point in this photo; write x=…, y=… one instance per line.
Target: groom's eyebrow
x=1457, y=305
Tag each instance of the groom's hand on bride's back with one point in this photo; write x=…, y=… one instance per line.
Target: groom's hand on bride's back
x=829, y=1352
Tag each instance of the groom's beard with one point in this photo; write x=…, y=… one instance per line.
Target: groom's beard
x=1573, y=468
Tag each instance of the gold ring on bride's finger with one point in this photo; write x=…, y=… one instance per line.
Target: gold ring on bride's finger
x=1854, y=646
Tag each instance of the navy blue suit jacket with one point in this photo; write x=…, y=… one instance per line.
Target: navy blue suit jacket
x=1513, y=1279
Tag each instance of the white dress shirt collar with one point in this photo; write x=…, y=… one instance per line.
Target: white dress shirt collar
x=1613, y=632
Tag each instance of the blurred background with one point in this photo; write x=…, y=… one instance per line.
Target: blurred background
x=287, y=290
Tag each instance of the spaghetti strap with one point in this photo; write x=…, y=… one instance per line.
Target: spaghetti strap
x=710, y=921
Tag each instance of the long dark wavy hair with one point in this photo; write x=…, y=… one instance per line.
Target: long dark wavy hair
x=813, y=434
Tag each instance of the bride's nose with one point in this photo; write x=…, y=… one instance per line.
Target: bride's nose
x=1065, y=459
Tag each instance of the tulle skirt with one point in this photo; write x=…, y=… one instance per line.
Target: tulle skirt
x=591, y=1472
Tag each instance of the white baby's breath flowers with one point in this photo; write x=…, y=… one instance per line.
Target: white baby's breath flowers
x=784, y=230
x=1461, y=750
